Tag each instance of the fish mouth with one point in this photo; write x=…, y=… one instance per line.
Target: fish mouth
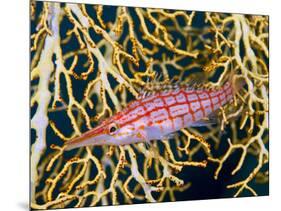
x=84, y=140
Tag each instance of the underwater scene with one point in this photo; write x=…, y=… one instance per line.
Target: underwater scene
x=138, y=105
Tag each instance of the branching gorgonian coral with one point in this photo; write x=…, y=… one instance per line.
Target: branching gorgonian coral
x=89, y=61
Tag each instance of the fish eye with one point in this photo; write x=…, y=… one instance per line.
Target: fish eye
x=112, y=128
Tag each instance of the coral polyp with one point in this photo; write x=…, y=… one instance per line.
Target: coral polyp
x=89, y=62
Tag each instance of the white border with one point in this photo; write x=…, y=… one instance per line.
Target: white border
x=249, y=7
x=14, y=116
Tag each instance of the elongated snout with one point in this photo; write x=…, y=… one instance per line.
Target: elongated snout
x=83, y=141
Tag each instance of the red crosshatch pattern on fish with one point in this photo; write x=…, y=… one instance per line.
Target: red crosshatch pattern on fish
x=197, y=103
x=158, y=115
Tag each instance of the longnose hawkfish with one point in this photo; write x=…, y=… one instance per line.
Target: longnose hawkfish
x=156, y=116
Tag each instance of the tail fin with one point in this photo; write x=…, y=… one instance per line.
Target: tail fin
x=236, y=83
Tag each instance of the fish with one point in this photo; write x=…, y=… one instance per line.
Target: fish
x=157, y=115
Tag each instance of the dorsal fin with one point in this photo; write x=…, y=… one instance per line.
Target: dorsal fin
x=152, y=88
x=196, y=81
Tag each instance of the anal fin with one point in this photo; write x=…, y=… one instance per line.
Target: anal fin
x=211, y=120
